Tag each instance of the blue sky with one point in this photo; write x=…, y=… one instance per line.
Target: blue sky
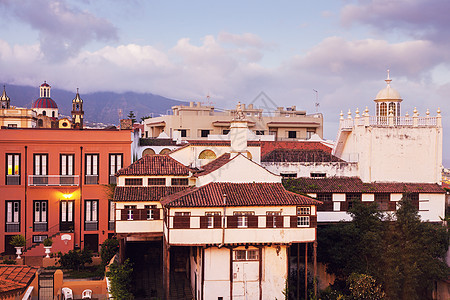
x=233, y=50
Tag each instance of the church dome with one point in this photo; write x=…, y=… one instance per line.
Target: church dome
x=388, y=93
x=44, y=102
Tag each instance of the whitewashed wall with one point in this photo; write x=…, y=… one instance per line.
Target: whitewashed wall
x=304, y=169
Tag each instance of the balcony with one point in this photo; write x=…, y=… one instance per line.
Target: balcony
x=12, y=179
x=13, y=227
x=91, y=225
x=53, y=180
x=40, y=226
x=91, y=179
x=111, y=225
x=140, y=221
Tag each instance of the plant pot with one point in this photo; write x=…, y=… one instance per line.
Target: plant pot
x=47, y=251
x=18, y=252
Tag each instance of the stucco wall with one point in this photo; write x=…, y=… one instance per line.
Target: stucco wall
x=304, y=169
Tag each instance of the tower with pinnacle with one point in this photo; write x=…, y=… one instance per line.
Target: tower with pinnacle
x=77, y=111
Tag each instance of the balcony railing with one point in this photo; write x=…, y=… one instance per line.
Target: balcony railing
x=111, y=225
x=13, y=227
x=12, y=179
x=91, y=179
x=91, y=225
x=112, y=179
x=53, y=180
x=40, y=226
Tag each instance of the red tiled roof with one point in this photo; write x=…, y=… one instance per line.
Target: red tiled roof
x=155, y=165
x=145, y=193
x=268, y=146
x=355, y=185
x=237, y=194
x=214, y=144
x=15, y=278
x=214, y=165
x=299, y=155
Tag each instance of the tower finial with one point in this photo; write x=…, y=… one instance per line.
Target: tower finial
x=77, y=90
x=388, y=80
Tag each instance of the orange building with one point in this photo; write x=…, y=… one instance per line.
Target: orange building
x=55, y=184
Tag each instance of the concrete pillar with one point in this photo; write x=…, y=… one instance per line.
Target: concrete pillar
x=238, y=136
x=415, y=118
x=57, y=282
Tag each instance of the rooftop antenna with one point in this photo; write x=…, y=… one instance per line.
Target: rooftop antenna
x=317, y=104
x=120, y=113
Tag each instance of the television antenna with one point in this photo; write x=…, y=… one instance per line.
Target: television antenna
x=317, y=104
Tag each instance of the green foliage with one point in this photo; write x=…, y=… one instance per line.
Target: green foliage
x=364, y=287
x=48, y=242
x=120, y=278
x=145, y=118
x=18, y=241
x=9, y=262
x=132, y=116
x=108, y=249
x=404, y=255
x=75, y=259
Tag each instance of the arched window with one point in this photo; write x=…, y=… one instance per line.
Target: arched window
x=378, y=109
x=44, y=113
x=164, y=151
x=392, y=107
x=40, y=123
x=53, y=114
x=207, y=154
x=383, y=109
x=148, y=151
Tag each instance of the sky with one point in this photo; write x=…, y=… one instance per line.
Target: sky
x=222, y=52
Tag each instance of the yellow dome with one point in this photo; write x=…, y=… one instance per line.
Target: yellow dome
x=388, y=93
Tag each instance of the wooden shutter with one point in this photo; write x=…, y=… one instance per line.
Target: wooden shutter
x=313, y=221
x=293, y=221
x=279, y=221
x=137, y=214
x=203, y=221
x=344, y=205
x=218, y=221
x=269, y=221
x=252, y=221
x=181, y=222
x=156, y=214
x=232, y=222
x=124, y=214
x=392, y=206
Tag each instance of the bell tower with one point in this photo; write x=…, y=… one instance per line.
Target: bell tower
x=77, y=112
x=4, y=99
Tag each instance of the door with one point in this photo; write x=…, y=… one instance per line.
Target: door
x=66, y=215
x=91, y=242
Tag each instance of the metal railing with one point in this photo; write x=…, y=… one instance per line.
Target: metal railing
x=91, y=179
x=53, y=180
x=91, y=225
x=12, y=179
x=13, y=227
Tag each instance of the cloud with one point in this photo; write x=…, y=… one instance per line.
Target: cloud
x=421, y=19
x=63, y=30
x=241, y=40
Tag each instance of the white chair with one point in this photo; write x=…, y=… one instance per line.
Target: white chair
x=67, y=293
x=86, y=294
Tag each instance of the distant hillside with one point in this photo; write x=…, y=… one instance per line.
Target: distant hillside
x=98, y=107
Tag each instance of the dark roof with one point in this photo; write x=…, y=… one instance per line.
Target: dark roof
x=155, y=165
x=237, y=194
x=144, y=193
x=214, y=165
x=45, y=84
x=15, y=278
x=212, y=143
x=44, y=103
x=268, y=146
x=355, y=185
x=156, y=142
x=299, y=155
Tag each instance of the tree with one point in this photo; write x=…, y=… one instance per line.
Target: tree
x=364, y=287
x=120, y=278
x=108, y=249
x=75, y=259
x=132, y=116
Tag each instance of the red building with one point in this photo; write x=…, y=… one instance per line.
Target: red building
x=55, y=184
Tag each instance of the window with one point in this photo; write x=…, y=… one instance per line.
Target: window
x=392, y=107
x=212, y=219
x=413, y=197
x=13, y=169
x=156, y=181
x=289, y=175
x=40, y=169
x=115, y=164
x=310, y=132
x=292, y=134
x=274, y=219
x=180, y=181
x=259, y=132
x=183, y=132
x=318, y=175
x=39, y=238
x=251, y=254
x=302, y=221
x=242, y=218
x=303, y=210
x=66, y=164
x=66, y=218
x=383, y=109
x=204, y=133
x=91, y=215
x=12, y=216
x=327, y=199
x=129, y=211
x=207, y=154
x=152, y=212
x=225, y=131
x=12, y=125
x=351, y=198
x=91, y=169
x=133, y=181
x=382, y=199
x=112, y=211
x=40, y=217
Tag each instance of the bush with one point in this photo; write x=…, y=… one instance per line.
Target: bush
x=48, y=242
x=18, y=241
x=75, y=259
x=108, y=249
x=120, y=278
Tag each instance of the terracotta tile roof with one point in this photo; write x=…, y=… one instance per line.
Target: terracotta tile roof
x=144, y=193
x=268, y=146
x=299, y=155
x=156, y=142
x=355, y=185
x=214, y=144
x=155, y=165
x=15, y=278
x=237, y=194
x=214, y=165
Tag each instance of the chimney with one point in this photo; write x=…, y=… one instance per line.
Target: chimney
x=238, y=136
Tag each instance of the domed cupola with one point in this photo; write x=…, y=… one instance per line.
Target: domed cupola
x=45, y=105
x=4, y=99
x=388, y=100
